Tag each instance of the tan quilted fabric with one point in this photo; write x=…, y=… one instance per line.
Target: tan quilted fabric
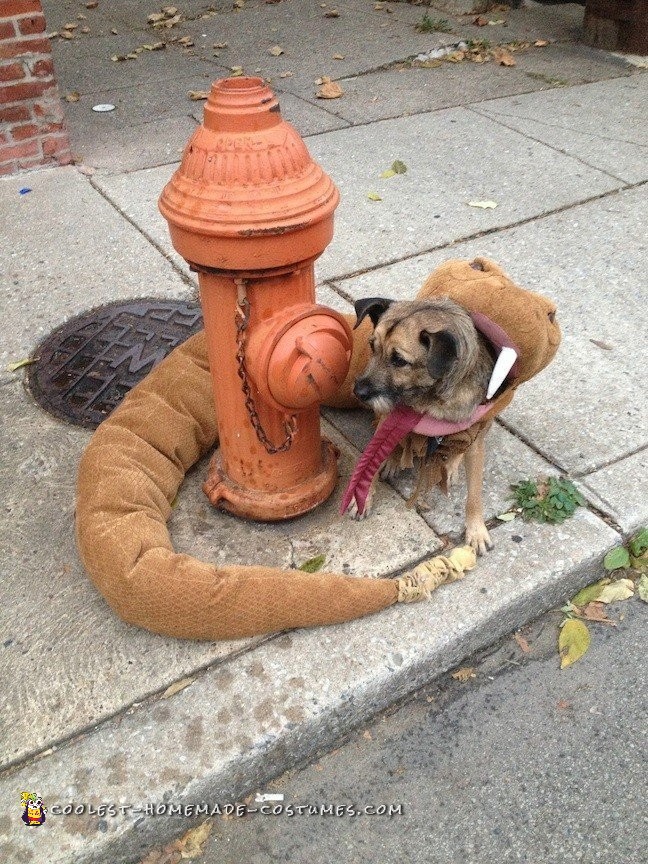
x=137, y=459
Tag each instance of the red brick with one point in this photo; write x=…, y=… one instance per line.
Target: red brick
x=7, y=30
x=8, y=168
x=17, y=48
x=55, y=144
x=27, y=90
x=31, y=24
x=31, y=163
x=12, y=72
x=50, y=128
x=42, y=69
x=20, y=7
x=15, y=114
x=19, y=151
x=29, y=130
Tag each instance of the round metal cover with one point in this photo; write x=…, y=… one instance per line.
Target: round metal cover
x=86, y=367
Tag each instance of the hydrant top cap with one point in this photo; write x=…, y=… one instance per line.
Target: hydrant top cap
x=241, y=105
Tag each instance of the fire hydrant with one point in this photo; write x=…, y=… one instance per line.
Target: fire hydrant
x=250, y=211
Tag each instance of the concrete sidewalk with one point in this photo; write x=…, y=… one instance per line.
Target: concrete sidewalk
x=85, y=717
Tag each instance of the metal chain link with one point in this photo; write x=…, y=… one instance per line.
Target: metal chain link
x=242, y=321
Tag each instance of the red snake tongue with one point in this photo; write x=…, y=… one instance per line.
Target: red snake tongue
x=393, y=429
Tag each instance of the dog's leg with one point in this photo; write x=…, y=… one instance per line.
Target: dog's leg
x=476, y=533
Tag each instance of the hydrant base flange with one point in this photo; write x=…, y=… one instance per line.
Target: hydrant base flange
x=272, y=506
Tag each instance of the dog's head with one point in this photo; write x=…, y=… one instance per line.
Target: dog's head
x=421, y=350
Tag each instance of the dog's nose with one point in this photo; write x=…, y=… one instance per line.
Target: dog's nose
x=362, y=389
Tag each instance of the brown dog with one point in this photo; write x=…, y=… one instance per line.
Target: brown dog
x=428, y=355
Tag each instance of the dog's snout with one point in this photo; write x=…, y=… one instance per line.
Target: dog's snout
x=363, y=389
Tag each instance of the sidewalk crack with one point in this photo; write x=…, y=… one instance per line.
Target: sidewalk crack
x=545, y=144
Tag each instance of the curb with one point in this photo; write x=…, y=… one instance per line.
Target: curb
x=249, y=719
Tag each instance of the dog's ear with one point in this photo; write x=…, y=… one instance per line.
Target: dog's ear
x=443, y=350
x=374, y=307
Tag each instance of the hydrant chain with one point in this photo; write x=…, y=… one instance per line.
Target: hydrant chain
x=290, y=425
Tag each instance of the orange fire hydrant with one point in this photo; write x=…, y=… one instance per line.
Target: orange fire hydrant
x=250, y=211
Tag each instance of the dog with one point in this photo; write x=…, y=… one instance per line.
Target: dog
x=428, y=355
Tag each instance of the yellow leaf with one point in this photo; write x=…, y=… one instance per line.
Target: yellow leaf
x=464, y=674
x=619, y=590
x=388, y=173
x=13, y=367
x=483, y=205
x=573, y=642
x=374, y=196
x=177, y=686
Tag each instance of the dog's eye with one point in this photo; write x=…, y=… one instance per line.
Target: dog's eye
x=397, y=360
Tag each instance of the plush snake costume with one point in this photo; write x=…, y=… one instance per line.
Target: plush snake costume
x=135, y=463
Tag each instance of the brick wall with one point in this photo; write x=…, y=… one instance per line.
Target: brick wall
x=32, y=123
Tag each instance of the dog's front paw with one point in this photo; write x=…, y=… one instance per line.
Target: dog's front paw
x=478, y=537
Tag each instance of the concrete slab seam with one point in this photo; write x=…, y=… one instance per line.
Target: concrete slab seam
x=496, y=119
x=186, y=279
x=334, y=280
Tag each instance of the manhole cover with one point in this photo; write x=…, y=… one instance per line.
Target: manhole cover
x=87, y=366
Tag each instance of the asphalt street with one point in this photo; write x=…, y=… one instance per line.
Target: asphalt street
x=524, y=762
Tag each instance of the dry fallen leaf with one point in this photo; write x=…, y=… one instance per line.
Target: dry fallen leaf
x=604, y=345
x=74, y=96
x=72, y=26
x=191, y=844
x=596, y=611
x=483, y=205
x=522, y=642
x=220, y=45
x=92, y=4
x=464, y=674
x=619, y=590
x=187, y=41
x=374, y=196
x=541, y=43
x=329, y=89
x=367, y=734
x=338, y=56
x=286, y=74
x=276, y=50
x=332, y=13
x=65, y=34
x=480, y=21
x=176, y=687
x=563, y=704
x=197, y=95
x=236, y=71
x=504, y=57
x=13, y=367
x=573, y=642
